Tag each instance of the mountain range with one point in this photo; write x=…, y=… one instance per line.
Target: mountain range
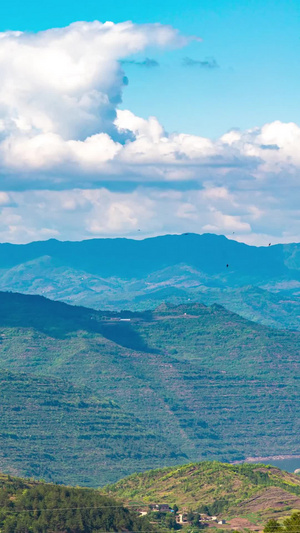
x=91, y=396
x=259, y=283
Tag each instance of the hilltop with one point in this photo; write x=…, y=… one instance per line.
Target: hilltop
x=260, y=283
x=243, y=496
x=30, y=506
x=255, y=492
x=180, y=383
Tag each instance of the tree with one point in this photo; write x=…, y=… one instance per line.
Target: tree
x=273, y=526
x=292, y=524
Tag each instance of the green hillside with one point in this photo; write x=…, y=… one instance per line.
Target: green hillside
x=280, y=309
x=26, y=507
x=194, y=382
x=245, y=495
x=260, y=283
x=256, y=492
x=54, y=430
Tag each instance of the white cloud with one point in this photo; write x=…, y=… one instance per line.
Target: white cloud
x=4, y=198
x=68, y=81
x=59, y=94
x=86, y=213
x=60, y=127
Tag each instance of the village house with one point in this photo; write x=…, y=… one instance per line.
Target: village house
x=164, y=508
x=154, y=507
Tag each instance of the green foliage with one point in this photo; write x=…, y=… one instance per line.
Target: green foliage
x=44, y=508
x=290, y=525
x=213, y=488
x=164, y=521
x=170, y=522
x=273, y=526
x=59, y=431
x=216, y=508
x=177, y=384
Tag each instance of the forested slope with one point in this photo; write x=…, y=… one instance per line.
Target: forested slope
x=51, y=429
x=194, y=382
x=26, y=506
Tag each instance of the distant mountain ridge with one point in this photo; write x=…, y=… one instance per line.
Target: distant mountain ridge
x=260, y=283
x=208, y=252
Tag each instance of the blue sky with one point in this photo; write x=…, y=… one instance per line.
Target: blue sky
x=133, y=129
x=256, y=45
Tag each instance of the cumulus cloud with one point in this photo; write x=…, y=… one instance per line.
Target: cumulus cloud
x=146, y=211
x=64, y=144
x=68, y=81
x=59, y=96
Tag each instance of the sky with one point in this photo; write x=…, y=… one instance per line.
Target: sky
x=138, y=119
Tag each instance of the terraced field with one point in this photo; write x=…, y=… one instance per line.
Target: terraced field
x=189, y=382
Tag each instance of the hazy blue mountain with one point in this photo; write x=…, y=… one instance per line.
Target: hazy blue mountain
x=128, y=258
x=260, y=283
